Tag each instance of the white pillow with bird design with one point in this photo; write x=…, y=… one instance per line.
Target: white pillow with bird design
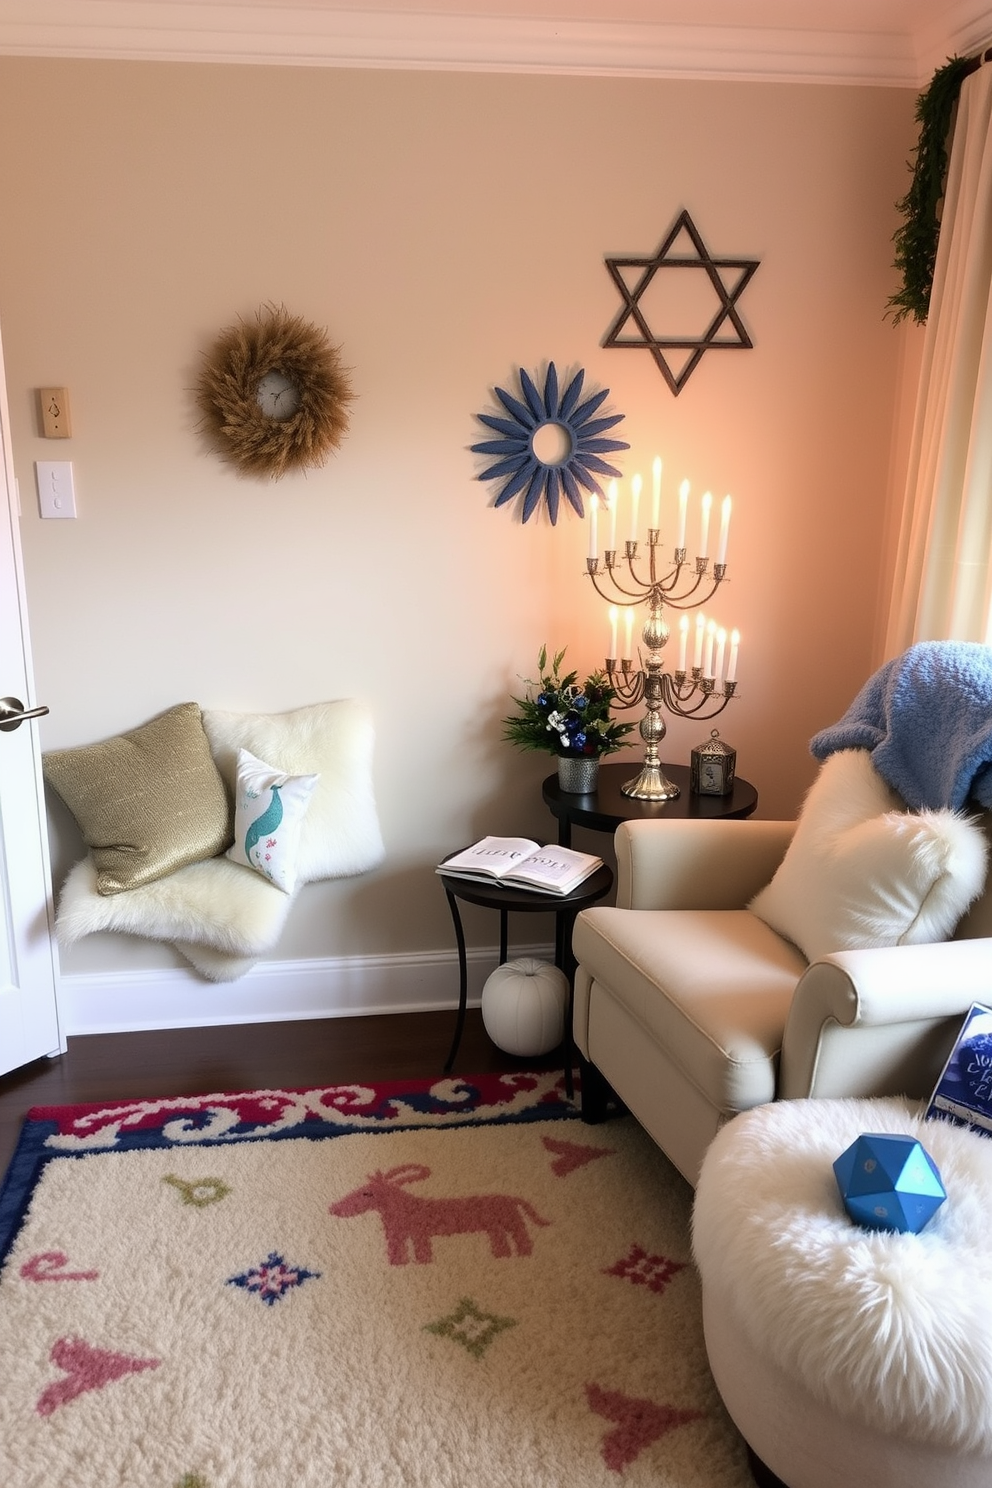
x=269, y=808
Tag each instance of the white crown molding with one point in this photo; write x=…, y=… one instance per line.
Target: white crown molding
x=964, y=30
x=310, y=35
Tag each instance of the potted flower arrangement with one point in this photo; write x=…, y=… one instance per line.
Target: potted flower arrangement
x=568, y=720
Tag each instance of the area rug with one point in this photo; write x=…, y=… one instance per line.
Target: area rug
x=449, y=1284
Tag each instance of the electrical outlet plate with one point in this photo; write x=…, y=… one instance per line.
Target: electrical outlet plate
x=55, y=412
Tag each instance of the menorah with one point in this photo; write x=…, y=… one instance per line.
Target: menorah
x=688, y=691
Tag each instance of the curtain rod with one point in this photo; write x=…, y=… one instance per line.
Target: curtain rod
x=974, y=63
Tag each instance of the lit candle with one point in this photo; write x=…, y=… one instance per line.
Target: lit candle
x=611, y=504
x=629, y=623
x=735, y=645
x=721, y=548
x=683, y=504
x=697, y=653
x=593, y=540
x=721, y=651
x=613, y=633
x=635, y=499
x=683, y=640
x=710, y=635
x=656, y=491
x=704, y=526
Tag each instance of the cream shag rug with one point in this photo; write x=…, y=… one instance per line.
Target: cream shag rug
x=439, y=1285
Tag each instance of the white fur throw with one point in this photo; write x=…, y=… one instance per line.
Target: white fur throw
x=215, y=906
x=863, y=871
x=894, y=1330
x=220, y=915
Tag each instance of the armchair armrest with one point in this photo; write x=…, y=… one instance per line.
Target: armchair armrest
x=697, y=864
x=882, y=1021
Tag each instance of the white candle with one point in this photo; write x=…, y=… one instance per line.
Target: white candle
x=721, y=651
x=721, y=549
x=611, y=505
x=613, y=633
x=697, y=653
x=629, y=623
x=656, y=491
x=683, y=505
x=683, y=640
x=735, y=645
x=710, y=636
x=593, y=540
x=635, y=500
x=704, y=526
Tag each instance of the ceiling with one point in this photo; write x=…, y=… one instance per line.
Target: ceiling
x=894, y=42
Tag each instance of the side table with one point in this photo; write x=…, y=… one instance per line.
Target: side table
x=509, y=900
x=606, y=807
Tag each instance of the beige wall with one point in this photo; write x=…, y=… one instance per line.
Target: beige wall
x=446, y=229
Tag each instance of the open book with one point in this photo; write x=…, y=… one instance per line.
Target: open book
x=522, y=863
x=963, y=1094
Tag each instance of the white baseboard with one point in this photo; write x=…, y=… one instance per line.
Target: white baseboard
x=274, y=991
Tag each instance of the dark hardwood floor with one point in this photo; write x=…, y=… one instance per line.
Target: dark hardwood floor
x=248, y=1056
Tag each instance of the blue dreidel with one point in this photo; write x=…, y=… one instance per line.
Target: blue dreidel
x=889, y=1183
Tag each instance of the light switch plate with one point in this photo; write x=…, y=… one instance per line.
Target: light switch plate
x=56, y=492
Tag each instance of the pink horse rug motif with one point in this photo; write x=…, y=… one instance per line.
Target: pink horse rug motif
x=429, y=1285
x=411, y=1221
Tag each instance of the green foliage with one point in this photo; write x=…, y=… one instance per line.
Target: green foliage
x=916, y=239
x=562, y=718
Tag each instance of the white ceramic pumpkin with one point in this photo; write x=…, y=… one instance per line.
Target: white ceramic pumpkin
x=523, y=1006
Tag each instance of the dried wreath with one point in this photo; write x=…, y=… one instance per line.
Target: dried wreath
x=274, y=394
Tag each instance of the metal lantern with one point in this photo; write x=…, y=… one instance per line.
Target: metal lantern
x=712, y=766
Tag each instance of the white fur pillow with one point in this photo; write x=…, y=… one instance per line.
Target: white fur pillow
x=340, y=833
x=862, y=871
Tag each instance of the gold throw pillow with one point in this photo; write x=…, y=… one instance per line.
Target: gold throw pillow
x=148, y=801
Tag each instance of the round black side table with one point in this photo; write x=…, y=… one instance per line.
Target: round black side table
x=606, y=807
x=508, y=900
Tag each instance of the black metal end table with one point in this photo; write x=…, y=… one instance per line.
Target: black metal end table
x=606, y=807
x=512, y=900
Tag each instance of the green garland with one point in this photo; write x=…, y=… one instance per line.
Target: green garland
x=916, y=240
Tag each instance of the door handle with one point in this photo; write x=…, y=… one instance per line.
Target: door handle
x=13, y=713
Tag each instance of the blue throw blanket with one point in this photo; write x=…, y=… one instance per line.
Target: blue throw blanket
x=927, y=719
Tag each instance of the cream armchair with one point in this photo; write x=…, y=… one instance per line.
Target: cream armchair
x=692, y=1008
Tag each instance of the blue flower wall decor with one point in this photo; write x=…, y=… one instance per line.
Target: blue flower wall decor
x=524, y=470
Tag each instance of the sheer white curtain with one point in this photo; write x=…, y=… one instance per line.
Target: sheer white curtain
x=943, y=584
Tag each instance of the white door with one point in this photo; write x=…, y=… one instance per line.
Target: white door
x=29, y=1025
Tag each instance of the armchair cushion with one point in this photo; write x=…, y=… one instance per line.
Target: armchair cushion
x=861, y=871
x=712, y=987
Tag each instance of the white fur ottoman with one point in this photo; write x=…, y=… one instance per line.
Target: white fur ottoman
x=847, y=1356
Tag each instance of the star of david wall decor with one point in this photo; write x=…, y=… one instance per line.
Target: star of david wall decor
x=700, y=304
